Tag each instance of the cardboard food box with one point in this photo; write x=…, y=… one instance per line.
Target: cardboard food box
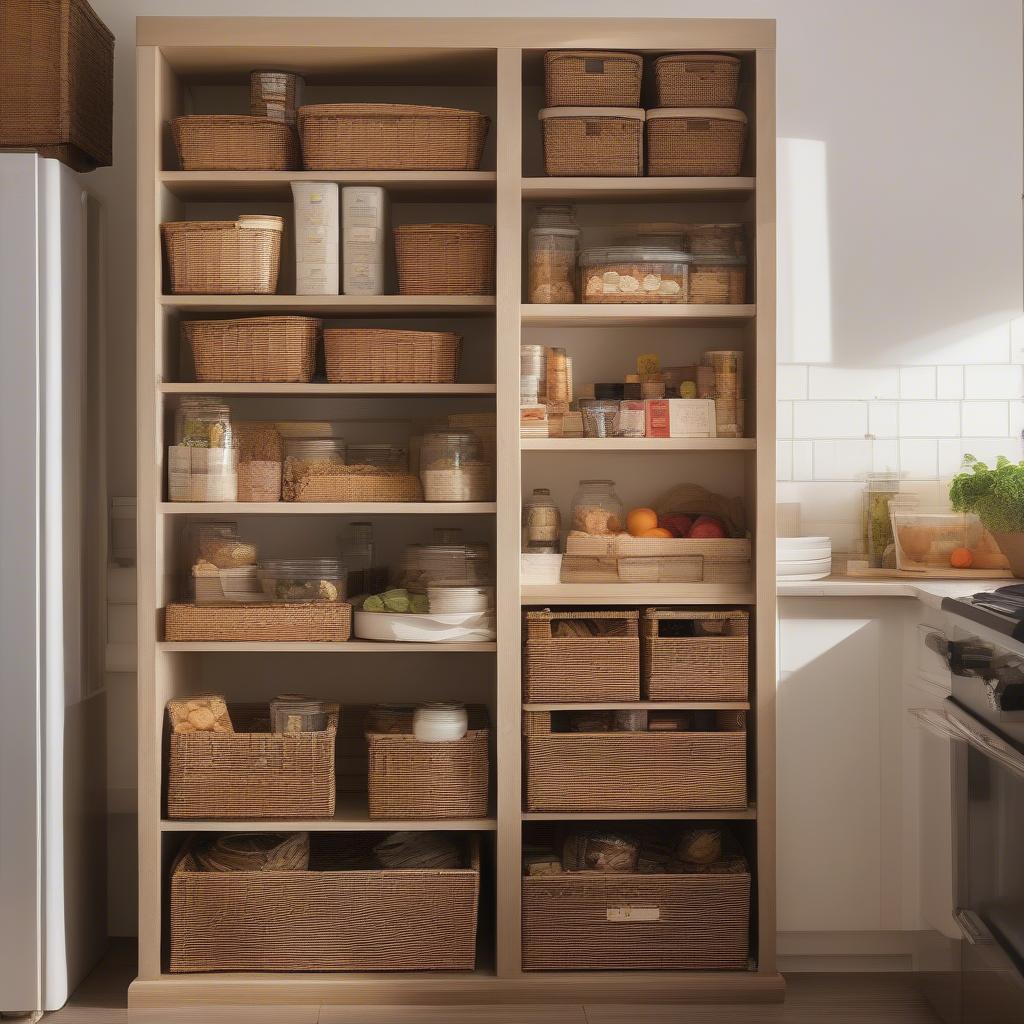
x=680, y=417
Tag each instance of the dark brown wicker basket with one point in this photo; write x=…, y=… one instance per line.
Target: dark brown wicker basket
x=445, y=259
x=265, y=349
x=326, y=622
x=592, y=141
x=697, y=79
x=379, y=355
x=592, y=78
x=695, y=141
x=229, y=142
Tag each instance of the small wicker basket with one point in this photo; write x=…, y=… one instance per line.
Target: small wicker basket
x=695, y=141
x=323, y=622
x=589, y=141
x=592, y=78
x=229, y=142
x=697, y=79
x=376, y=355
x=445, y=259
x=265, y=349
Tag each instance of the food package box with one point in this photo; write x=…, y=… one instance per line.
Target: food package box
x=533, y=421
x=364, y=239
x=680, y=417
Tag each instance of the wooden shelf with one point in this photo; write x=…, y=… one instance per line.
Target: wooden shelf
x=623, y=445
x=327, y=390
x=643, y=705
x=320, y=508
x=349, y=647
x=335, y=305
x=638, y=189
x=749, y=813
x=594, y=315
x=636, y=593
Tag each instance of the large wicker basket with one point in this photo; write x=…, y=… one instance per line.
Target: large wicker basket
x=589, y=141
x=592, y=78
x=252, y=772
x=632, y=771
x=695, y=141
x=324, y=920
x=57, y=86
x=697, y=79
x=710, y=665
x=595, y=920
x=445, y=259
x=378, y=355
x=223, y=257
x=391, y=137
x=230, y=142
x=584, y=668
x=265, y=349
x=324, y=622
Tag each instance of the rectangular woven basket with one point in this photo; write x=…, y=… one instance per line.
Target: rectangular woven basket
x=592, y=920
x=322, y=920
x=592, y=78
x=327, y=622
x=694, y=146
x=377, y=355
x=230, y=142
x=221, y=257
x=342, y=487
x=601, y=143
x=696, y=79
x=445, y=259
x=580, y=668
x=717, y=283
x=252, y=773
x=266, y=349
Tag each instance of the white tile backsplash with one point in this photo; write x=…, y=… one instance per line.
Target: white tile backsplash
x=841, y=460
x=830, y=419
x=791, y=381
x=919, y=458
x=917, y=382
x=991, y=382
x=784, y=420
x=985, y=419
x=803, y=460
x=883, y=420
x=784, y=460
x=836, y=382
x=929, y=419
x=949, y=382
x=885, y=456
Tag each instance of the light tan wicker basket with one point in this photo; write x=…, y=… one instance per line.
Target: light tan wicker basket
x=592, y=78
x=632, y=771
x=265, y=349
x=252, y=772
x=377, y=355
x=327, y=622
x=230, y=142
x=330, y=482
x=591, y=141
x=391, y=137
x=223, y=257
x=584, y=668
x=595, y=920
x=445, y=259
x=697, y=79
x=324, y=920
x=695, y=141
x=718, y=281
x=711, y=665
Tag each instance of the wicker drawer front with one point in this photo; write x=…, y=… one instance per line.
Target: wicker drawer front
x=598, y=921
x=580, y=668
x=697, y=80
x=597, y=78
x=694, y=146
x=327, y=623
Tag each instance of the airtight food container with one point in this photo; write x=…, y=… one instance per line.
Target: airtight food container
x=634, y=274
x=304, y=579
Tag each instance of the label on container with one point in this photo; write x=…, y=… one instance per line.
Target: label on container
x=179, y=473
x=629, y=913
x=362, y=234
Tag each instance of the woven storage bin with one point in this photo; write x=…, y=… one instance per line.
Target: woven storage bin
x=697, y=79
x=718, y=281
x=252, y=773
x=391, y=137
x=329, y=622
x=57, y=86
x=228, y=142
x=695, y=141
x=589, y=141
x=710, y=666
x=223, y=257
x=580, y=668
x=317, y=920
x=264, y=349
x=632, y=771
x=592, y=78
x=374, y=355
x=340, y=486
x=588, y=920
x=445, y=259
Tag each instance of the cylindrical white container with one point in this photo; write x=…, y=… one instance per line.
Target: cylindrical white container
x=440, y=723
x=364, y=239
x=317, y=237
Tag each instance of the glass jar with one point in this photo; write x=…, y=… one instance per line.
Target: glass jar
x=556, y=216
x=599, y=417
x=387, y=456
x=304, y=579
x=303, y=456
x=881, y=489
x=596, y=508
x=552, y=255
x=425, y=564
x=292, y=713
x=542, y=523
x=452, y=468
x=202, y=464
x=202, y=422
x=634, y=274
x=718, y=280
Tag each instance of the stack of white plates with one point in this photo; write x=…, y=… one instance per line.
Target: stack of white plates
x=803, y=558
x=448, y=599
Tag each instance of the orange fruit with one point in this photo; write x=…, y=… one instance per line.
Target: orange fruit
x=961, y=558
x=658, y=531
x=640, y=520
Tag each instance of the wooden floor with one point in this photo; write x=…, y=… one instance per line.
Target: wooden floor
x=810, y=999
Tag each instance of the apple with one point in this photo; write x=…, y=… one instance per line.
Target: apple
x=709, y=529
x=677, y=524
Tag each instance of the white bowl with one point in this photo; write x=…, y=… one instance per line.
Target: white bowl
x=429, y=628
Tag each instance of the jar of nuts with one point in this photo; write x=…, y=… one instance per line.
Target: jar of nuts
x=596, y=508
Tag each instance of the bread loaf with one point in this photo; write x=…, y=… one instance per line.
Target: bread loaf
x=208, y=713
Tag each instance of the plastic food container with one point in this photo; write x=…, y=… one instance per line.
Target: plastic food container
x=440, y=723
x=275, y=94
x=202, y=465
x=553, y=265
x=596, y=508
x=452, y=468
x=458, y=596
x=389, y=456
x=293, y=712
x=304, y=579
x=424, y=565
x=718, y=280
x=541, y=522
x=715, y=240
x=926, y=539
x=216, y=586
x=634, y=274
x=317, y=237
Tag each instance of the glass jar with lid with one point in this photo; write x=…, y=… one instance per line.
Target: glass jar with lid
x=552, y=256
x=304, y=579
x=555, y=215
x=202, y=464
x=302, y=456
x=385, y=456
x=882, y=488
x=596, y=508
x=634, y=274
x=453, y=467
x=542, y=523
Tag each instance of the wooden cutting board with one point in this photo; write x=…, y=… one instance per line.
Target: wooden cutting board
x=861, y=571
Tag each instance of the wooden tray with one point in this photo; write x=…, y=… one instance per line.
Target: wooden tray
x=861, y=571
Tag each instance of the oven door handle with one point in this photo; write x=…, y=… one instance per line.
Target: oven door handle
x=977, y=934
x=955, y=726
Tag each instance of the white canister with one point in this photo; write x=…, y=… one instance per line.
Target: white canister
x=317, y=237
x=440, y=723
x=364, y=239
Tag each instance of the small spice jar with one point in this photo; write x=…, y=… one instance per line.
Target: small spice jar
x=452, y=467
x=542, y=523
x=596, y=508
x=202, y=464
x=440, y=723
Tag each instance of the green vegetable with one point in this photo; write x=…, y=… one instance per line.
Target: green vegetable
x=996, y=496
x=418, y=603
x=373, y=604
x=396, y=600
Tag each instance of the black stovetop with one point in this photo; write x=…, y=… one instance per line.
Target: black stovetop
x=1000, y=610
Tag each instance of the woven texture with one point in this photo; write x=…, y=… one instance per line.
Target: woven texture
x=252, y=774
x=358, y=487
x=265, y=349
x=445, y=259
x=697, y=80
x=404, y=920
x=217, y=257
x=410, y=779
x=57, y=86
x=703, y=922
x=580, y=668
x=391, y=137
x=699, y=668
x=716, y=284
x=227, y=142
x=375, y=355
x=606, y=146
x=329, y=622
x=694, y=147
x=592, y=78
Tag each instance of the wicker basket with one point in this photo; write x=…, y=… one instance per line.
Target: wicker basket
x=336, y=485
x=445, y=259
x=594, y=920
x=327, y=622
x=593, y=668
x=695, y=141
x=718, y=280
x=709, y=666
x=57, y=86
x=223, y=257
x=697, y=79
x=589, y=141
x=252, y=772
x=391, y=137
x=375, y=355
x=228, y=142
x=592, y=78
x=632, y=771
x=264, y=349
x=324, y=920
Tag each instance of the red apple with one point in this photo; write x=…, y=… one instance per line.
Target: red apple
x=677, y=524
x=709, y=529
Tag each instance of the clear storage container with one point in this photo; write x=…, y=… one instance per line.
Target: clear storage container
x=552, y=256
x=309, y=456
x=596, y=508
x=389, y=456
x=260, y=457
x=304, y=579
x=202, y=464
x=634, y=274
x=293, y=712
x=599, y=417
x=718, y=279
x=424, y=565
x=453, y=468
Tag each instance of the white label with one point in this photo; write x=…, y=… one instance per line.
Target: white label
x=179, y=473
x=634, y=913
x=361, y=234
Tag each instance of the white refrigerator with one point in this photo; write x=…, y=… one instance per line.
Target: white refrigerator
x=52, y=554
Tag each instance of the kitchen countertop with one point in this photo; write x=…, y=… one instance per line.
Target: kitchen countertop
x=929, y=591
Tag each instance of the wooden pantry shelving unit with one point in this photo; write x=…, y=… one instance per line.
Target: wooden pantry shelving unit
x=494, y=62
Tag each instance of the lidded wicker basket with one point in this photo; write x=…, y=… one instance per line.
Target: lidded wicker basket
x=265, y=349
x=230, y=142
x=588, y=141
x=695, y=141
x=374, y=355
x=445, y=259
x=594, y=78
x=697, y=79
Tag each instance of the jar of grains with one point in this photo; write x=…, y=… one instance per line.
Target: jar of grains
x=553, y=264
x=260, y=455
x=596, y=508
x=542, y=523
x=307, y=457
x=202, y=464
x=452, y=468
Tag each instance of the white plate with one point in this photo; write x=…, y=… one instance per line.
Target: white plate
x=801, y=569
x=804, y=577
x=793, y=543
x=810, y=563
x=454, y=628
x=803, y=555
